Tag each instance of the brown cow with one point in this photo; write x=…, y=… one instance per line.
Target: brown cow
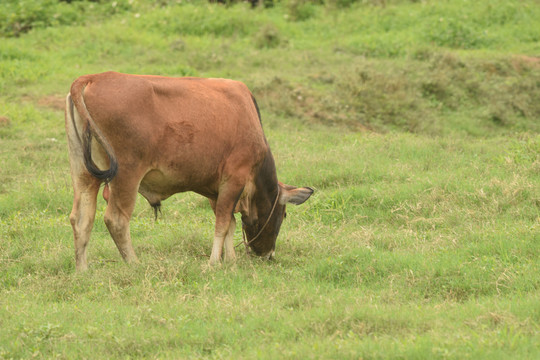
x=160, y=136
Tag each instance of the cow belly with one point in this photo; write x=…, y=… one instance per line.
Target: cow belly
x=156, y=186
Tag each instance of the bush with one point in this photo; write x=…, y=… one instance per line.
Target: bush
x=456, y=33
x=268, y=37
x=19, y=17
x=300, y=10
x=198, y=20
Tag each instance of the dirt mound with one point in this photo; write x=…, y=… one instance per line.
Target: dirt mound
x=4, y=121
x=55, y=102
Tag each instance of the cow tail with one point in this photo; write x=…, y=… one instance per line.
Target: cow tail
x=90, y=131
x=256, y=108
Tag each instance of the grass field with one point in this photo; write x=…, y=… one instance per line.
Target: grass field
x=417, y=122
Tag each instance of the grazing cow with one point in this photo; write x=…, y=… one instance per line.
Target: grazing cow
x=160, y=136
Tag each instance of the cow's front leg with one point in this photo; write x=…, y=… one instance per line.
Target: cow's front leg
x=229, y=243
x=219, y=240
x=225, y=222
x=222, y=238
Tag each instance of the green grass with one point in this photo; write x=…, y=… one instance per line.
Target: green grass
x=417, y=123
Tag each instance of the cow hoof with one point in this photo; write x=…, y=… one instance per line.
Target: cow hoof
x=210, y=266
x=214, y=263
x=134, y=261
x=81, y=269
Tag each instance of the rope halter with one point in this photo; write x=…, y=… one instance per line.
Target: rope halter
x=244, y=236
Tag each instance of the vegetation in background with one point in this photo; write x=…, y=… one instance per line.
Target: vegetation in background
x=417, y=122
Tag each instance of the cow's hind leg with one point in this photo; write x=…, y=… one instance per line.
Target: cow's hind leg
x=82, y=215
x=85, y=188
x=122, y=197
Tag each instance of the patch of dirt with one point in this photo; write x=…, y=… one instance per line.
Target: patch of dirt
x=525, y=62
x=4, y=121
x=55, y=102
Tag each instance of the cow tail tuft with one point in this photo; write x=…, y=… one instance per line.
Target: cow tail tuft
x=106, y=175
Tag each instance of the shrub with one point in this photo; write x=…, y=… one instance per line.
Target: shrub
x=268, y=37
x=300, y=10
x=198, y=20
x=456, y=33
x=19, y=17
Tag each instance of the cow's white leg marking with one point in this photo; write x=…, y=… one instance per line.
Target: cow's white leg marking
x=222, y=229
x=217, y=246
x=223, y=239
x=217, y=249
x=229, y=244
x=225, y=222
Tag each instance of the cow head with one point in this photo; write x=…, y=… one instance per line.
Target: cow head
x=261, y=226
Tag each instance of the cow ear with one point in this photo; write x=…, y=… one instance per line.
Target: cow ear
x=294, y=195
